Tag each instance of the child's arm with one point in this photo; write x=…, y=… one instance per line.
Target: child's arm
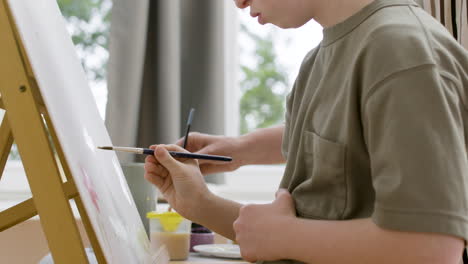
x=262, y=146
x=272, y=232
x=362, y=241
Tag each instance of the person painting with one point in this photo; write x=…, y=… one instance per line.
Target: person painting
x=374, y=143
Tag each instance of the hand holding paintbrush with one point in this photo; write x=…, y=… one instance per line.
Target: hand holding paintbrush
x=174, y=154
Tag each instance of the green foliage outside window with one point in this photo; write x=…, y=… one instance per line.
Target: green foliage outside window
x=89, y=24
x=88, y=21
x=263, y=85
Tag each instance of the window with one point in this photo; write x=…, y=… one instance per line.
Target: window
x=263, y=62
x=88, y=21
x=269, y=60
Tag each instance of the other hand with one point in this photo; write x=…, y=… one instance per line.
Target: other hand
x=215, y=145
x=261, y=229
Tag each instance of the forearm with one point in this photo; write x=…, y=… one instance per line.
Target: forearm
x=218, y=214
x=361, y=242
x=263, y=146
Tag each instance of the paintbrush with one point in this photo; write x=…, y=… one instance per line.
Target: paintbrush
x=175, y=154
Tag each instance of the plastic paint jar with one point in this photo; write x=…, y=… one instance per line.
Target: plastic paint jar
x=171, y=230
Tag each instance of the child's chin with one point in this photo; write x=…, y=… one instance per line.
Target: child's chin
x=289, y=24
x=261, y=20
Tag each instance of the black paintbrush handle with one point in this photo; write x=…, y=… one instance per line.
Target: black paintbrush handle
x=176, y=154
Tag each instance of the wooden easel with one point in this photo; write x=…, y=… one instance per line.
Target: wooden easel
x=27, y=122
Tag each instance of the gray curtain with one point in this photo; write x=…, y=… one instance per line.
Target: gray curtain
x=166, y=56
x=453, y=14
x=125, y=70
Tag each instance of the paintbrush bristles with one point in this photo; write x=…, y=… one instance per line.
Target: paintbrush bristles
x=124, y=149
x=106, y=148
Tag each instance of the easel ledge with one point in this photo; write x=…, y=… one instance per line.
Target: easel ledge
x=27, y=122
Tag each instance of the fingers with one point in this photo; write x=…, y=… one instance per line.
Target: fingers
x=206, y=161
x=194, y=142
x=156, y=168
x=173, y=148
x=156, y=180
x=241, y=228
x=150, y=159
x=281, y=191
x=210, y=168
x=284, y=200
x=282, y=195
x=245, y=212
x=162, y=156
x=161, y=183
x=180, y=142
x=207, y=168
x=207, y=150
x=155, y=173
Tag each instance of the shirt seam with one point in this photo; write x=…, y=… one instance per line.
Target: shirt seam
x=421, y=212
x=449, y=77
x=391, y=76
x=377, y=9
x=445, y=74
x=426, y=33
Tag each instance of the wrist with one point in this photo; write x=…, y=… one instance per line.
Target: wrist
x=243, y=143
x=201, y=206
x=288, y=238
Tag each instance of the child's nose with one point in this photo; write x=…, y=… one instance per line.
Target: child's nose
x=243, y=3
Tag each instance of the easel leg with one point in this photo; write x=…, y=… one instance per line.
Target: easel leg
x=90, y=232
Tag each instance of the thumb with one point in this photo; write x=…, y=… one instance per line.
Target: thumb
x=162, y=155
x=280, y=192
x=284, y=200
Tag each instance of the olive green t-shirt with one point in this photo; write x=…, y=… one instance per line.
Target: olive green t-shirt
x=376, y=123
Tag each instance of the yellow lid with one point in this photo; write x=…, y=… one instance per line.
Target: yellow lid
x=170, y=221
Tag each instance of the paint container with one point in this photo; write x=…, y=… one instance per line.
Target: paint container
x=200, y=236
x=171, y=230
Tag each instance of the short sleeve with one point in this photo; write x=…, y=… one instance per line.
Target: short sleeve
x=413, y=123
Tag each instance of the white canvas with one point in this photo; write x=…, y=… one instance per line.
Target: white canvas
x=73, y=111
